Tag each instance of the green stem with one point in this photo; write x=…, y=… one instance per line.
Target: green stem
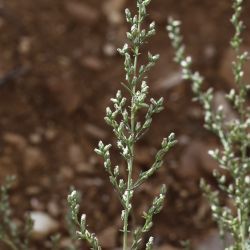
x=7, y=242
x=126, y=216
x=241, y=229
x=243, y=240
x=130, y=166
x=131, y=160
x=243, y=210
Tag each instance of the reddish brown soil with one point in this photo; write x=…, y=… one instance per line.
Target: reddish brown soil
x=59, y=68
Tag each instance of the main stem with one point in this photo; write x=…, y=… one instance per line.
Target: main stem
x=9, y=243
x=242, y=229
x=130, y=169
x=242, y=209
x=126, y=216
x=131, y=160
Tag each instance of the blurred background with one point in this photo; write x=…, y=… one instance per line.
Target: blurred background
x=58, y=69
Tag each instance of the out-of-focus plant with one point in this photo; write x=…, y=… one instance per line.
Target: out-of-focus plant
x=17, y=237
x=233, y=156
x=128, y=129
x=12, y=236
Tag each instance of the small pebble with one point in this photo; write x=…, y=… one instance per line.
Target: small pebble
x=109, y=49
x=43, y=225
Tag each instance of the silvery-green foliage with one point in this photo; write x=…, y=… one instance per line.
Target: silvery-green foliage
x=11, y=235
x=128, y=129
x=17, y=237
x=83, y=233
x=71, y=226
x=234, y=136
x=149, y=245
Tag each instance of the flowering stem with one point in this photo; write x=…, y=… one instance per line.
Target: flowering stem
x=131, y=160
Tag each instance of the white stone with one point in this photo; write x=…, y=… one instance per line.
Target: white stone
x=43, y=224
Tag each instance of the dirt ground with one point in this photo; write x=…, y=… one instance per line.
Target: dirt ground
x=58, y=69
